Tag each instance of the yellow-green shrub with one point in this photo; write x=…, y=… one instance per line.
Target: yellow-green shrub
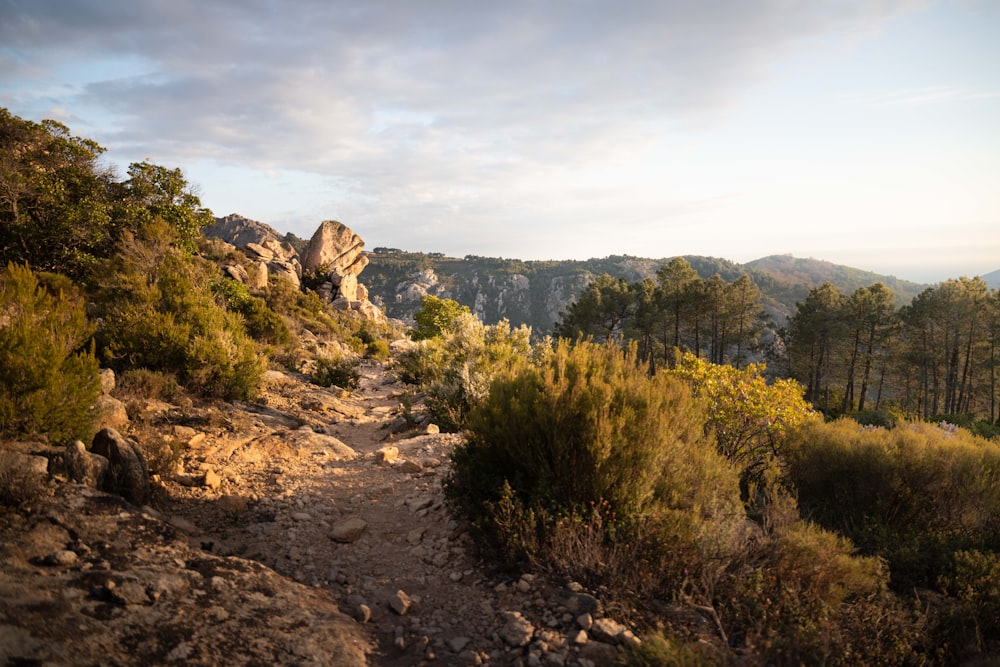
x=587, y=439
x=48, y=372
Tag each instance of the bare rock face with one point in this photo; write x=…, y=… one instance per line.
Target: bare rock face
x=127, y=475
x=335, y=246
x=86, y=579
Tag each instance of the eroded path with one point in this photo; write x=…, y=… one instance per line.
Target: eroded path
x=303, y=484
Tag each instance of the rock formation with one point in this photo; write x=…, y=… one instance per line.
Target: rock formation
x=334, y=254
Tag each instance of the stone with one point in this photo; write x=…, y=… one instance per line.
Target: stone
x=109, y=412
x=127, y=475
x=386, y=455
x=84, y=467
x=107, y=377
x=517, y=631
x=408, y=466
x=284, y=271
x=400, y=602
x=432, y=429
x=237, y=273
x=580, y=638
x=62, y=558
x=585, y=621
x=456, y=644
x=607, y=630
x=211, y=480
x=258, y=276
x=336, y=247
x=348, y=530
x=583, y=603
x=362, y=613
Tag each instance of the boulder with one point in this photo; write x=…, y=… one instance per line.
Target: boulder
x=107, y=380
x=335, y=247
x=237, y=273
x=257, y=278
x=127, y=475
x=84, y=467
x=110, y=412
x=285, y=271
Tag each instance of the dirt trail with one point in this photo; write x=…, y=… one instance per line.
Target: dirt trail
x=375, y=534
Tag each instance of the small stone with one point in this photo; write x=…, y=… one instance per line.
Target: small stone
x=400, y=602
x=211, y=480
x=301, y=516
x=523, y=586
x=432, y=429
x=458, y=643
x=607, y=630
x=585, y=621
x=580, y=638
x=415, y=535
x=362, y=613
x=348, y=530
x=517, y=630
x=387, y=455
x=408, y=466
x=62, y=558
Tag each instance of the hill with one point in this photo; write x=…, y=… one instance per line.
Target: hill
x=536, y=292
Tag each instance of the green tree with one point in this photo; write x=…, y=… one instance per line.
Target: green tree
x=436, y=316
x=54, y=197
x=156, y=192
x=870, y=314
x=603, y=310
x=676, y=282
x=815, y=333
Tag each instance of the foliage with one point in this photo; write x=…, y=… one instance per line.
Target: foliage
x=262, y=323
x=748, y=416
x=18, y=483
x=913, y=495
x=657, y=650
x=435, y=317
x=153, y=192
x=48, y=371
x=975, y=582
x=336, y=371
x=584, y=439
x=456, y=369
x=159, y=312
x=55, y=212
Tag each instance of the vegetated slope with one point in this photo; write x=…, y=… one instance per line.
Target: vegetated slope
x=537, y=292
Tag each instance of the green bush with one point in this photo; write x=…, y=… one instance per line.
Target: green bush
x=48, y=371
x=975, y=582
x=914, y=494
x=586, y=451
x=262, y=323
x=436, y=316
x=336, y=371
x=456, y=369
x=159, y=312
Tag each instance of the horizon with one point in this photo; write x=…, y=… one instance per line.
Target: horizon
x=865, y=135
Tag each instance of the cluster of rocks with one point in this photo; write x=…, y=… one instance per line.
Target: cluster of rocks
x=334, y=255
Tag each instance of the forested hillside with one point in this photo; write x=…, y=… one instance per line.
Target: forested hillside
x=536, y=293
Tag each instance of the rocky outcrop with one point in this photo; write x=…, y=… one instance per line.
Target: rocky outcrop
x=334, y=254
x=86, y=579
x=127, y=474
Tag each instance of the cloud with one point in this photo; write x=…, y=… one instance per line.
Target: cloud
x=424, y=109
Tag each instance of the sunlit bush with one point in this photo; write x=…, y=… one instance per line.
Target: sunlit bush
x=48, y=372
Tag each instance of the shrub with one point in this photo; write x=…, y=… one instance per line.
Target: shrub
x=336, y=371
x=436, y=316
x=975, y=582
x=159, y=313
x=456, y=369
x=586, y=442
x=914, y=494
x=262, y=323
x=48, y=373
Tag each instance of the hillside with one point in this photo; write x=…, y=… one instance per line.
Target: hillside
x=536, y=292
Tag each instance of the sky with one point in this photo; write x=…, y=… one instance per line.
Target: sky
x=861, y=132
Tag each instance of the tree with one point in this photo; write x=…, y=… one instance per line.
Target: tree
x=156, y=192
x=602, y=310
x=54, y=197
x=869, y=314
x=814, y=333
x=436, y=316
x=676, y=281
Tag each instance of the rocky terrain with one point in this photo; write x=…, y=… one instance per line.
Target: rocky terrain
x=308, y=527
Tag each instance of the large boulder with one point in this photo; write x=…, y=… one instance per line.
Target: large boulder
x=127, y=474
x=336, y=248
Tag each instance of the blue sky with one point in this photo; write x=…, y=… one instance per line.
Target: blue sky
x=861, y=132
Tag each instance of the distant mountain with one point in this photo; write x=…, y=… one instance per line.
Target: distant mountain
x=537, y=292
x=993, y=279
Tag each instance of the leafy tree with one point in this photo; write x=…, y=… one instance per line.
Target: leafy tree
x=870, y=314
x=156, y=192
x=436, y=316
x=749, y=417
x=677, y=282
x=814, y=335
x=602, y=311
x=48, y=372
x=54, y=197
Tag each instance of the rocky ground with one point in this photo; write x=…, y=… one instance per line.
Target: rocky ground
x=308, y=527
